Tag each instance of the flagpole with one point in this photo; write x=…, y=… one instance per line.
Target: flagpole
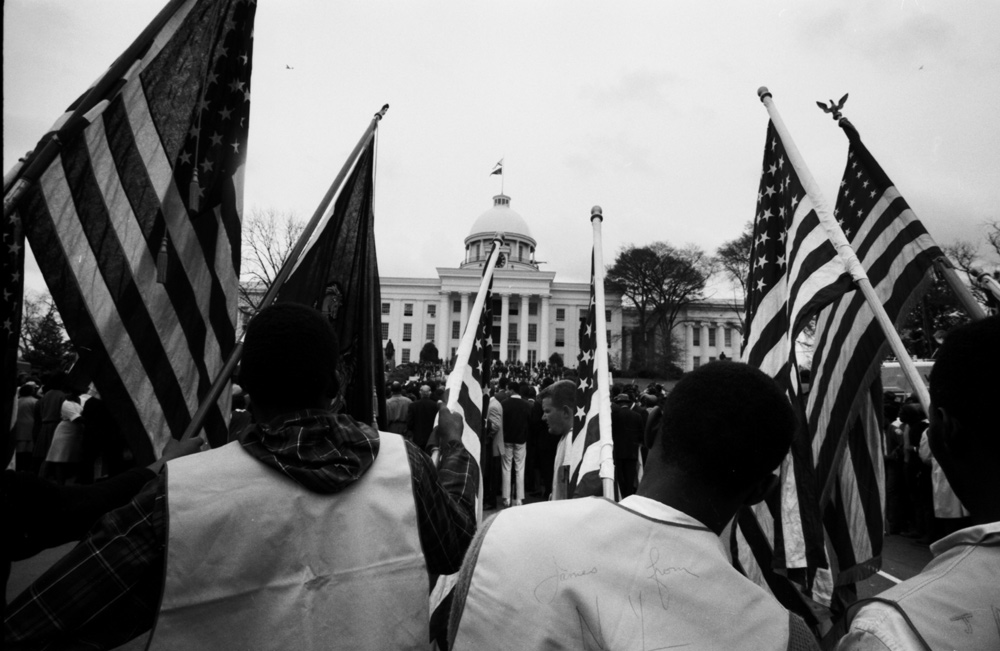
x=286, y=269
x=987, y=282
x=972, y=307
x=844, y=250
x=607, y=472
x=44, y=155
x=455, y=379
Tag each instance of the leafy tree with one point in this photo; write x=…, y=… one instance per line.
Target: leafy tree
x=429, y=354
x=556, y=360
x=733, y=259
x=659, y=280
x=268, y=238
x=43, y=338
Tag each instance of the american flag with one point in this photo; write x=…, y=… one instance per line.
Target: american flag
x=794, y=272
x=579, y=455
x=136, y=223
x=465, y=384
x=12, y=286
x=844, y=415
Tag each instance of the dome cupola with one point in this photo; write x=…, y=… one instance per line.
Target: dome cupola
x=519, y=247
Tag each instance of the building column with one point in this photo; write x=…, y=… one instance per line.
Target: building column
x=688, y=346
x=522, y=330
x=464, y=314
x=444, y=327
x=704, y=343
x=543, y=331
x=504, y=325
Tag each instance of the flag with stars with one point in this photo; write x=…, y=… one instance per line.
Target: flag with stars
x=844, y=415
x=12, y=286
x=579, y=453
x=794, y=272
x=136, y=222
x=498, y=168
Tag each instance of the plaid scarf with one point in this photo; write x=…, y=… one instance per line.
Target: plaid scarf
x=321, y=451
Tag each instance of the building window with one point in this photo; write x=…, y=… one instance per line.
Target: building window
x=407, y=309
x=407, y=332
x=385, y=308
x=560, y=314
x=479, y=250
x=406, y=355
x=608, y=333
x=456, y=306
x=727, y=336
x=385, y=331
x=431, y=310
x=711, y=335
x=532, y=332
x=520, y=252
x=560, y=337
x=697, y=361
x=696, y=335
x=513, y=309
x=533, y=309
x=607, y=315
x=456, y=329
x=532, y=357
x=430, y=332
x=512, y=335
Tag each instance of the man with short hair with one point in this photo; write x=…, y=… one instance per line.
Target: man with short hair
x=651, y=571
x=516, y=427
x=397, y=410
x=558, y=409
x=312, y=531
x=955, y=602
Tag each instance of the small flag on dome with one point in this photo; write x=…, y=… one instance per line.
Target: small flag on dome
x=498, y=168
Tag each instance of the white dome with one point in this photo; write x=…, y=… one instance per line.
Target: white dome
x=501, y=219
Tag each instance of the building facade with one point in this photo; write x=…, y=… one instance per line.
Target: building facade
x=534, y=316
x=704, y=332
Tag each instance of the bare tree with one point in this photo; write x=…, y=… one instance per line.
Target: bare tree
x=993, y=236
x=268, y=238
x=733, y=258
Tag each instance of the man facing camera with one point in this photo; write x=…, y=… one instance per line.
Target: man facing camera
x=312, y=531
x=955, y=602
x=650, y=571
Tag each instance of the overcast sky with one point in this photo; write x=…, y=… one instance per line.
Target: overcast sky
x=646, y=108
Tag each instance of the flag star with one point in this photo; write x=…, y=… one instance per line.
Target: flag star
x=795, y=201
x=854, y=164
x=852, y=203
x=760, y=195
x=203, y=105
x=769, y=191
x=6, y=295
x=225, y=112
x=861, y=212
x=15, y=248
x=16, y=276
x=847, y=232
x=212, y=78
x=865, y=184
x=584, y=384
x=246, y=98
x=244, y=58
x=580, y=413
x=771, y=170
x=767, y=214
x=781, y=260
x=762, y=260
x=859, y=175
x=235, y=146
x=760, y=284
x=774, y=143
x=763, y=236
x=222, y=52
x=587, y=331
x=206, y=165
x=873, y=193
x=843, y=183
x=235, y=85
x=781, y=236
x=186, y=157
x=781, y=162
x=835, y=211
x=7, y=325
x=194, y=132
x=216, y=139
x=781, y=212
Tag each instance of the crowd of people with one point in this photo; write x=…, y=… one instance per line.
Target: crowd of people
x=312, y=530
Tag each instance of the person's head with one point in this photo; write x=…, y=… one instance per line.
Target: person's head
x=725, y=427
x=290, y=356
x=559, y=406
x=396, y=388
x=522, y=389
x=27, y=389
x=963, y=433
x=425, y=391
x=502, y=383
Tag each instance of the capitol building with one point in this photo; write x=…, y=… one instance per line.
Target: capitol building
x=534, y=315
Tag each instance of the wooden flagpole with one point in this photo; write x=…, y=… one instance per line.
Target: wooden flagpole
x=846, y=253
x=988, y=282
x=607, y=472
x=286, y=269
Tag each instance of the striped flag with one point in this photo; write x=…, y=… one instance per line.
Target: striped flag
x=337, y=273
x=136, y=223
x=845, y=406
x=794, y=272
x=579, y=455
x=466, y=383
x=12, y=289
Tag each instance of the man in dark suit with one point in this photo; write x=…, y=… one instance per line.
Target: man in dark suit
x=420, y=421
x=626, y=432
x=516, y=427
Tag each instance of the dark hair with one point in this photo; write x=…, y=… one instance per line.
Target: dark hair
x=290, y=357
x=561, y=393
x=528, y=391
x=964, y=378
x=728, y=424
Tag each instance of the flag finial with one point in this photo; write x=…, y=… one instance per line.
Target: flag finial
x=596, y=213
x=834, y=107
x=763, y=92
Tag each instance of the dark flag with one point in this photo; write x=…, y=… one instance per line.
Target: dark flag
x=794, y=272
x=845, y=403
x=337, y=273
x=498, y=168
x=136, y=222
